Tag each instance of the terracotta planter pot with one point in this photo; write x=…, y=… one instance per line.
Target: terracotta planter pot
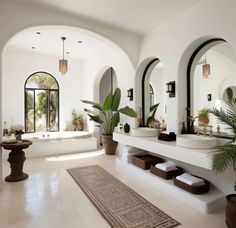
x=109, y=144
x=230, y=211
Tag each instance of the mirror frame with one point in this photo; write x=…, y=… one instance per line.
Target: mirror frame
x=156, y=61
x=189, y=68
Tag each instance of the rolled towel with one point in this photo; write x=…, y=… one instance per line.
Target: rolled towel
x=190, y=180
x=166, y=166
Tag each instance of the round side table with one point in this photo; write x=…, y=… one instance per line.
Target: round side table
x=16, y=159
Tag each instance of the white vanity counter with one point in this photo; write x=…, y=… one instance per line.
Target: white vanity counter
x=196, y=157
x=205, y=203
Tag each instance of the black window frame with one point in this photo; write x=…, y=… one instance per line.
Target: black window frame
x=48, y=92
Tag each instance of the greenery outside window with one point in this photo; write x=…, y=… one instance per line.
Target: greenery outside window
x=41, y=103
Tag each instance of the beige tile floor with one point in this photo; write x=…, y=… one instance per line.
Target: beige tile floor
x=50, y=198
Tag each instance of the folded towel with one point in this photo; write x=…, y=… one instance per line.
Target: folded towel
x=166, y=166
x=190, y=180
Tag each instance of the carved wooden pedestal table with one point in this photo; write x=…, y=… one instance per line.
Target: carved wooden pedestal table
x=16, y=159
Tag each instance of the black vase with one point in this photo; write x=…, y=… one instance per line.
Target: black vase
x=126, y=128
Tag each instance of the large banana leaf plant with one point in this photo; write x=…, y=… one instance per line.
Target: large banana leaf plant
x=108, y=114
x=225, y=155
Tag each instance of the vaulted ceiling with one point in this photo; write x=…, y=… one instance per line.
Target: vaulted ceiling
x=139, y=16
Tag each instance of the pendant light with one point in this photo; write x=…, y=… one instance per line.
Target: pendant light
x=205, y=69
x=63, y=64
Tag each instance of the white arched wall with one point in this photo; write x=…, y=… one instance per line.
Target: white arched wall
x=114, y=56
x=174, y=43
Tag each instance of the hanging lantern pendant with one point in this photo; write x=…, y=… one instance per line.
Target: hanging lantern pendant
x=206, y=69
x=63, y=63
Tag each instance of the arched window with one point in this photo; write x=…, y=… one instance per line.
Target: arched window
x=41, y=103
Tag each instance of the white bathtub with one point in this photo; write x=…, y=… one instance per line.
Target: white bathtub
x=58, y=135
x=58, y=143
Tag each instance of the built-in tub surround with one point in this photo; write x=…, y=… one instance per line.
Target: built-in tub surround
x=58, y=143
x=56, y=135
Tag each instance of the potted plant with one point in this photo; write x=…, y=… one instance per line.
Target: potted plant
x=77, y=121
x=108, y=117
x=225, y=155
x=203, y=116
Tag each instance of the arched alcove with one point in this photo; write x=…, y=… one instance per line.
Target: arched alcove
x=72, y=83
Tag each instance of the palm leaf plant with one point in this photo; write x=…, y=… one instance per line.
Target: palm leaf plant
x=107, y=116
x=225, y=155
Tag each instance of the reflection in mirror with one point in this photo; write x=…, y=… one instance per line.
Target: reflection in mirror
x=213, y=72
x=154, y=91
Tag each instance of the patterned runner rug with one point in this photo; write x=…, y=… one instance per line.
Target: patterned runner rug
x=118, y=204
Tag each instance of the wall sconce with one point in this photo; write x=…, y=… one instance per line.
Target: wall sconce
x=170, y=88
x=130, y=94
x=209, y=97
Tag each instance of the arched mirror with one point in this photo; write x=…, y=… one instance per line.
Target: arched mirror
x=153, y=90
x=211, y=71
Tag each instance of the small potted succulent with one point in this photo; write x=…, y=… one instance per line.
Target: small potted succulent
x=77, y=121
x=203, y=116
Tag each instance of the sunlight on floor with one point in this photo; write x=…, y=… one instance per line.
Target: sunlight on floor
x=75, y=156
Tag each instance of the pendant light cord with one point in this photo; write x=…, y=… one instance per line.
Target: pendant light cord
x=63, y=40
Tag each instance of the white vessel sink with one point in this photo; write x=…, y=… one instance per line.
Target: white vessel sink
x=197, y=141
x=144, y=132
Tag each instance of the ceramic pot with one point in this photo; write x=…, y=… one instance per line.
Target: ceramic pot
x=126, y=128
x=108, y=144
x=230, y=211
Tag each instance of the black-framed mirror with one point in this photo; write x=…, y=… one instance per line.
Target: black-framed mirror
x=211, y=70
x=153, y=90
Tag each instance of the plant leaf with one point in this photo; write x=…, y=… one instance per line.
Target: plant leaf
x=90, y=111
x=89, y=102
x=116, y=100
x=99, y=107
x=229, y=92
x=153, y=107
x=95, y=119
x=128, y=111
x=108, y=102
x=115, y=120
x=223, y=157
